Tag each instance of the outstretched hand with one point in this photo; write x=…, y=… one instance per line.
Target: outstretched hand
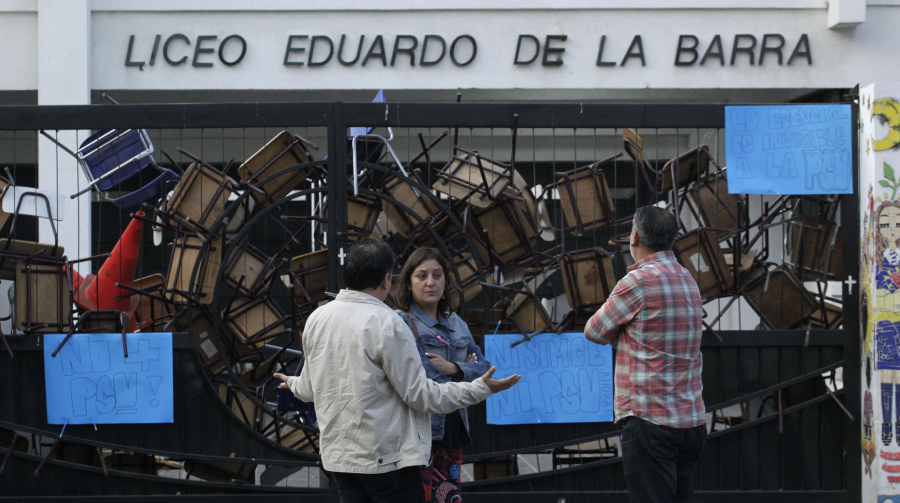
x=283, y=378
x=501, y=384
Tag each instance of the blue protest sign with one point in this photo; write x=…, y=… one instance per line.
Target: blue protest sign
x=91, y=381
x=565, y=379
x=789, y=149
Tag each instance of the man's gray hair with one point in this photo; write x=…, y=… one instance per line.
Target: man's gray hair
x=656, y=228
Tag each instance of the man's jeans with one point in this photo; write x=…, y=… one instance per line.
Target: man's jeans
x=401, y=486
x=660, y=462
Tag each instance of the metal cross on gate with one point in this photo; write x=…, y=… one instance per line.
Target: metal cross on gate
x=850, y=282
x=341, y=255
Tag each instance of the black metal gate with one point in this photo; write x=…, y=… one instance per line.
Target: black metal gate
x=798, y=444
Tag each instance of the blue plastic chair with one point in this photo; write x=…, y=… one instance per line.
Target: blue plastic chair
x=111, y=156
x=150, y=193
x=368, y=154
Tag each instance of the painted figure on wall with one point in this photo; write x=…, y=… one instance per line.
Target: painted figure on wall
x=868, y=447
x=887, y=319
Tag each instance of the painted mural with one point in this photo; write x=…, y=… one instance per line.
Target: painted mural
x=880, y=299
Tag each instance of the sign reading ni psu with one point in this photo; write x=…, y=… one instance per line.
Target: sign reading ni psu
x=91, y=381
x=791, y=149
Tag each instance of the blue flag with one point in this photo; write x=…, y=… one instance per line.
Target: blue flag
x=91, y=381
x=565, y=379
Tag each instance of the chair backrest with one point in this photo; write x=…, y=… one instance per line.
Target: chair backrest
x=31, y=202
x=528, y=313
x=588, y=277
x=117, y=153
x=185, y=255
x=699, y=252
x=476, y=179
x=200, y=197
x=281, y=152
x=585, y=198
x=502, y=233
x=150, y=193
x=691, y=165
x=310, y=276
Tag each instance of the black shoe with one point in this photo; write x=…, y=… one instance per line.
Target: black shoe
x=886, y=433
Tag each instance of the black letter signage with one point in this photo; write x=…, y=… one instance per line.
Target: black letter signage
x=440, y=39
x=290, y=49
x=198, y=50
x=635, y=50
x=312, y=50
x=537, y=50
x=553, y=50
x=453, y=50
x=225, y=41
x=177, y=36
x=692, y=49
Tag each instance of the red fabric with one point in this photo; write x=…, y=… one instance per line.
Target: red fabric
x=441, y=477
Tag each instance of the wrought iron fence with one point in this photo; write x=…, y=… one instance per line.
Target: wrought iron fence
x=244, y=212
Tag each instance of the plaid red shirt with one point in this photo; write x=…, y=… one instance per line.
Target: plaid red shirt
x=652, y=318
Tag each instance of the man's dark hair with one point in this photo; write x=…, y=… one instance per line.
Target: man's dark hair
x=368, y=261
x=655, y=227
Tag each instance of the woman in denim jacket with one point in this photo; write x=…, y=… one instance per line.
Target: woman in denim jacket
x=448, y=352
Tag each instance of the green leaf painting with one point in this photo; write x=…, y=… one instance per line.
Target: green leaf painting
x=890, y=183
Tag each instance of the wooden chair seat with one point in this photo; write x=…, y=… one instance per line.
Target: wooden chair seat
x=203, y=331
x=255, y=320
x=185, y=255
x=699, y=252
x=528, y=314
x=418, y=202
x=151, y=311
x=43, y=298
x=474, y=179
x=691, y=166
x=255, y=267
x=309, y=276
x=14, y=250
x=815, y=249
x=717, y=208
x=746, y=263
x=200, y=197
x=829, y=318
x=779, y=298
x=362, y=214
x=283, y=151
x=502, y=234
x=468, y=271
x=588, y=277
x=585, y=198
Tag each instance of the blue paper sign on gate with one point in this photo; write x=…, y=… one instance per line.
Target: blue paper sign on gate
x=789, y=149
x=565, y=379
x=91, y=381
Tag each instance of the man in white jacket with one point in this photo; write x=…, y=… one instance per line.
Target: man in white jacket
x=371, y=395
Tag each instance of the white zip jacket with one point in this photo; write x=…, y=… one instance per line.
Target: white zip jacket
x=372, y=399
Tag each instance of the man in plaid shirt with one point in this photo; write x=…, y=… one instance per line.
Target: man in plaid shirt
x=653, y=318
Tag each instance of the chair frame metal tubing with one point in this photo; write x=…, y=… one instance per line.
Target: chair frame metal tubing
x=742, y=463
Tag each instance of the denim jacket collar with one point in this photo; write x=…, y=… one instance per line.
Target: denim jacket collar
x=420, y=313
